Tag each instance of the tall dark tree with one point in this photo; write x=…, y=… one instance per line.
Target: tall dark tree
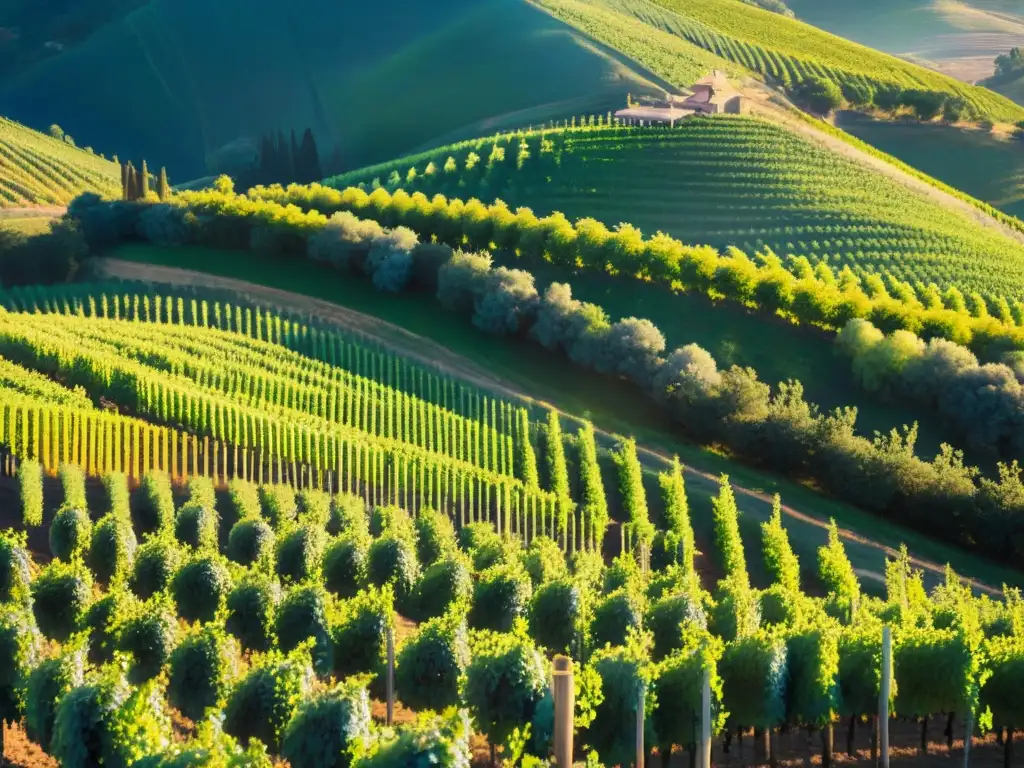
x=284, y=158
x=309, y=160
x=163, y=187
x=293, y=153
x=266, y=159
x=133, y=183
x=124, y=181
x=144, y=181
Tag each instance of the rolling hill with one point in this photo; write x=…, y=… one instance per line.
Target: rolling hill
x=724, y=181
x=39, y=170
x=958, y=37
x=788, y=51
x=372, y=83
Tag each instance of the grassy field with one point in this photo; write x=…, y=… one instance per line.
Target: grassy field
x=39, y=170
x=730, y=181
x=959, y=37
x=986, y=167
x=371, y=83
x=612, y=407
x=789, y=51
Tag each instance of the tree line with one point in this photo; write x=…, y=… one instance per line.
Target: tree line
x=792, y=287
x=135, y=184
x=778, y=430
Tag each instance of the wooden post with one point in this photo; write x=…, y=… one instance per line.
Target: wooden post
x=391, y=677
x=705, y=721
x=883, y=698
x=968, y=733
x=564, y=707
x=640, y=729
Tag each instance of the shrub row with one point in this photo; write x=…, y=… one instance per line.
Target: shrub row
x=985, y=403
x=792, y=287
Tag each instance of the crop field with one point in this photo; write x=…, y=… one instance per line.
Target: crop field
x=237, y=539
x=724, y=181
x=40, y=170
x=789, y=51
x=959, y=37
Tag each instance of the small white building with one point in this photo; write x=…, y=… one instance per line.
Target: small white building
x=709, y=95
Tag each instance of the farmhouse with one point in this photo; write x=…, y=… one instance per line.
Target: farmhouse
x=709, y=95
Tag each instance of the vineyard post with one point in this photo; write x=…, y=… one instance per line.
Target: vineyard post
x=883, y=699
x=967, y=736
x=640, y=728
x=705, y=720
x=391, y=676
x=564, y=706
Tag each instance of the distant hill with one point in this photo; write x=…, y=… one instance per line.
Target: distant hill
x=178, y=79
x=958, y=37
x=36, y=169
x=725, y=181
x=788, y=51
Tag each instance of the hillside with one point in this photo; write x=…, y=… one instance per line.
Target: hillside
x=725, y=181
x=960, y=38
x=788, y=51
x=39, y=170
x=372, y=84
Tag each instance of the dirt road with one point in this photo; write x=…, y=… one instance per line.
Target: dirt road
x=807, y=530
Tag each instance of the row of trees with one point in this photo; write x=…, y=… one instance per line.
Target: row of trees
x=794, y=288
x=282, y=160
x=984, y=403
x=823, y=95
x=135, y=184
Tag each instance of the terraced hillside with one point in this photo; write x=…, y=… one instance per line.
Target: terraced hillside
x=40, y=170
x=206, y=75
x=960, y=38
x=724, y=181
x=783, y=49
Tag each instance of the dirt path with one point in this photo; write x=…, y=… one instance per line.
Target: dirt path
x=807, y=530
x=763, y=101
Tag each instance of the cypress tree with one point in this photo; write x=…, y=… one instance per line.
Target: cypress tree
x=266, y=159
x=124, y=181
x=293, y=154
x=132, y=189
x=309, y=159
x=143, y=182
x=283, y=170
x=163, y=186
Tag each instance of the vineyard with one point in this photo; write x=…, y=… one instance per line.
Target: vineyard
x=785, y=50
x=728, y=181
x=234, y=513
x=191, y=624
x=40, y=170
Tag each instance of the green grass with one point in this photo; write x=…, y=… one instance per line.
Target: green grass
x=39, y=170
x=789, y=51
x=737, y=181
x=371, y=80
x=986, y=167
x=613, y=406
